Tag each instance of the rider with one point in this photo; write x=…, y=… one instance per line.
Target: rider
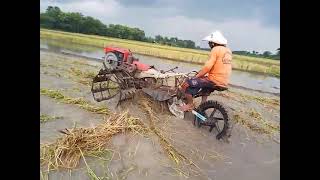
x=218, y=68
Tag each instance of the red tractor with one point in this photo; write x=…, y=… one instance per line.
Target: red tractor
x=119, y=58
x=123, y=73
x=118, y=75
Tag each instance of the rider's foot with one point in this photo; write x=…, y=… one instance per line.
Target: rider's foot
x=187, y=107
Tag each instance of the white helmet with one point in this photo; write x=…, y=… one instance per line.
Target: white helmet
x=216, y=37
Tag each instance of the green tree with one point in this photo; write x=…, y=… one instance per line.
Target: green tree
x=54, y=18
x=267, y=54
x=46, y=21
x=55, y=13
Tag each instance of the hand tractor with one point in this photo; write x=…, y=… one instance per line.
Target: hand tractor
x=123, y=74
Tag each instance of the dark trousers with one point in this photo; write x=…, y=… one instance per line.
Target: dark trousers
x=197, y=84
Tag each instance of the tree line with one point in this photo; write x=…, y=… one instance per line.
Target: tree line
x=54, y=18
x=265, y=54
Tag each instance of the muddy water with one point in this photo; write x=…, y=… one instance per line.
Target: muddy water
x=143, y=158
x=239, y=78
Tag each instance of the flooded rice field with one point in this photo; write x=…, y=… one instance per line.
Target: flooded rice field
x=254, y=81
x=252, y=152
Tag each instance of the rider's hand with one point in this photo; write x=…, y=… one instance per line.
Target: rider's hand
x=199, y=74
x=195, y=75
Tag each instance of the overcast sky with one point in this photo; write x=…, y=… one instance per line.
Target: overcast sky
x=247, y=24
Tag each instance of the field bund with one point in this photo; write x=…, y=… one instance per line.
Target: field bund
x=244, y=63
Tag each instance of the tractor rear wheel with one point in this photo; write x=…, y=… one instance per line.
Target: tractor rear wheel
x=217, y=117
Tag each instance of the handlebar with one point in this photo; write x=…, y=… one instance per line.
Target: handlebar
x=196, y=72
x=169, y=70
x=172, y=69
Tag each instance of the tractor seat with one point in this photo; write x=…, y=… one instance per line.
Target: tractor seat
x=215, y=88
x=220, y=88
x=208, y=90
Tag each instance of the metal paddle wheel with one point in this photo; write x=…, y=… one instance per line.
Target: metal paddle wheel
x=109, y=83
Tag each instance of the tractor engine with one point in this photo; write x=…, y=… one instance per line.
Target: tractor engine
x=119, y=59
x=118, y=75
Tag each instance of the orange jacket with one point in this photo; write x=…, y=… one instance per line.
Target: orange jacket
x=218, y=66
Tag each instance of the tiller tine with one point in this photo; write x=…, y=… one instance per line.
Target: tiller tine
x=104, y=86
x=127, y=94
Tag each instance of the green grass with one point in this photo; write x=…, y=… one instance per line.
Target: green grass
x=72, y=47
x=256, y=123
x=251, y=64
x=45, y=118
x=90, y=172
x=83, y=77
x=262, y=100
x=82, y=74
x=80, y=102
